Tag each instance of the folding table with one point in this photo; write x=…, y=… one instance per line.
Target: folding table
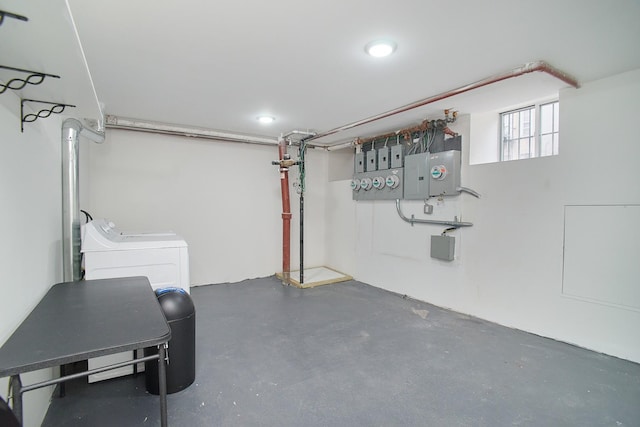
x=76, y=321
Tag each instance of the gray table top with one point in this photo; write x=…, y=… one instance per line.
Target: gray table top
x=79, y=320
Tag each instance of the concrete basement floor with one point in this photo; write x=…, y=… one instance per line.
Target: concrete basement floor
x=350, y=354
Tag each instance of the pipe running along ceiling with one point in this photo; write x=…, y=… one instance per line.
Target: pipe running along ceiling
x=114, y=122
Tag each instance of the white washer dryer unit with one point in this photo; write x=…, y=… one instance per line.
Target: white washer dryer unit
x=109, y=253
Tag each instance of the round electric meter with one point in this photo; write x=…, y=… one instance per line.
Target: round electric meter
x=365, y=183
x=355, y=184
x=393, y=181
x=438, y=172
x=378, y=182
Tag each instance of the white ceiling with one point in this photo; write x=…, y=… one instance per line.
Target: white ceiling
x=219, y=64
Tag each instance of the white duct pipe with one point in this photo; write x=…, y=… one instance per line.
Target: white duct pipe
x=71, y=131
x=114, y=122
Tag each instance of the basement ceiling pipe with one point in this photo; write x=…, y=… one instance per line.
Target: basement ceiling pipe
x=71, y=131
x=114, y=122
x=529, y=67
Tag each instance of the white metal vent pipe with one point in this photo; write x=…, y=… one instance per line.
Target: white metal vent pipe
x=71, y=131
x=114, y=122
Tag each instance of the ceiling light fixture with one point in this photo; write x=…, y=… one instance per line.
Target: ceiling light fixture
x=265, y=120
x=380, y=48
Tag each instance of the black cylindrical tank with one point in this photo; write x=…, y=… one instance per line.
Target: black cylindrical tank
x=180, y=313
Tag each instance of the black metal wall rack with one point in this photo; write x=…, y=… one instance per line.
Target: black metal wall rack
x=34, y=78
x=56, y=108
x=5, y=14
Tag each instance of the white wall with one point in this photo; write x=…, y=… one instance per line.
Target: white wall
x=484, y=127
x=509, y=265
x=30, y=226
x=223, y=198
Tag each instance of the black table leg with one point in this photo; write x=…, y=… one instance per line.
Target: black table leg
x=162, y=382
x=16, y=393
x=61, y=388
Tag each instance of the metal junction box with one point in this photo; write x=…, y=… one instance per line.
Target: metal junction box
x=397, y=156
x=416, y=176
x=360, y=160
x=372, y=161
x=443, y=247
x=383, y=158
x=444, y=171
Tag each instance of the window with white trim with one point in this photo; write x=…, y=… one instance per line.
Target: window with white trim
x=531, y=131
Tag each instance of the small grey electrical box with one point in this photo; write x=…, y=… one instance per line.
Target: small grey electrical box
x=372, y=161
x=443, y=247
x=397, y=155
x=383, y=158
x=359, y=166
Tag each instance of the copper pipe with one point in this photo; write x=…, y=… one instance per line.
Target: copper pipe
x=525, y=69
x=286, y=214
x=406, y=133
x=448, y=131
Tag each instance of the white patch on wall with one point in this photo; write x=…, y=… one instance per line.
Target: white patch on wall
x=601, y=249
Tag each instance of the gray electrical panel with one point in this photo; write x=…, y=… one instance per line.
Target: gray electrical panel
x=416, y=176
x=360, y=160
x=378, y=185
x=372, y=161
x=441, y=144
x=444, y=171
x=386, y=173
x=383, y=158
x=443, y=247
x=397, y=155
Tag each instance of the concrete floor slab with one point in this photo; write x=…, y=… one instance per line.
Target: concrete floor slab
x=354, y=355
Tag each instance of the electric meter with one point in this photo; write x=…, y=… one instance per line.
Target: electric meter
x=439, y=172
x=378, y=182
x=393, y=181
x=365, y=183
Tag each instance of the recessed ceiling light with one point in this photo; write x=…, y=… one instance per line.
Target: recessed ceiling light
x=380, y=48
x=265, y=120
